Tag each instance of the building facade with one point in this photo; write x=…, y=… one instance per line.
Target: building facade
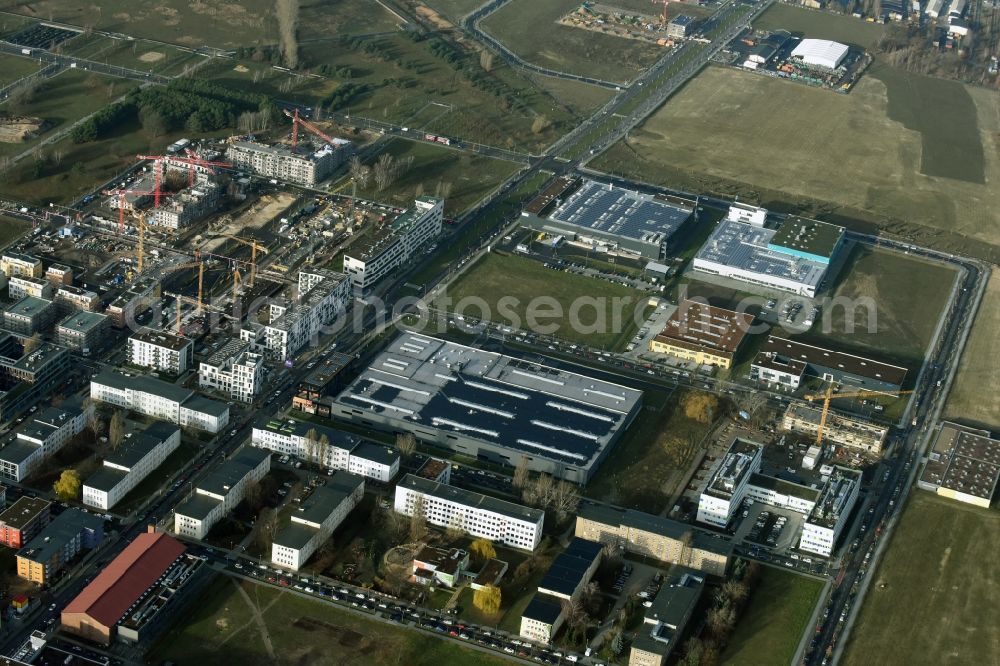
x=315, y=519
x=20, y=286
x=30, y=315
x=233, y=370
x=702, y=334
x=479, y=515
x=14, y=264
x=847, y=431
x=43, y=435
x=83, y=331
x=20, y=522
x=58, y=543
x=135, y=459
x=161, y=400
x=220, y=491
x=160, y=350
x=308, y=167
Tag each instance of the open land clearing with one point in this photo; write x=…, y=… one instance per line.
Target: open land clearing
x=225, y=24
x=768, y=630
x=497, y=276
x=239, y=622
x=975, y=393
x=937, y=586
x=455, y=9
x=530, y=29
x=899, y=149
x=11, y=229
x=820, y=25
x=13, y=68
x=468, y=177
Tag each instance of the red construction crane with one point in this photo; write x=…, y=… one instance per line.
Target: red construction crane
x=120, y=193
x=195, y=161
x=298, y=120
x=663, y=16
x=157, y=174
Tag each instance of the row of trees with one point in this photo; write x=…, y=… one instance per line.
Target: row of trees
x=558, y=498
x=727, y=604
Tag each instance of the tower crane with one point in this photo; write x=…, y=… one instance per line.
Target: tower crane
x=193, y=160
x=140, y=249
x=120, y=193
x=298, y=120
x=200, y=265
x=829, y=395
x=663, y=16
x=255, y=247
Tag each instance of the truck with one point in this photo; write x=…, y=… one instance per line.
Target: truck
x=25, y=51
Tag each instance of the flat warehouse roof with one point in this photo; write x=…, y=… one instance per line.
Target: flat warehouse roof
x=965, y=460
x=745, y=247
x=810, y=236
x=620, y=212
x=834, y=360
x=536, y=409
x=707, y=326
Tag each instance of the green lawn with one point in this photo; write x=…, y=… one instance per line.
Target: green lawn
x=468, y=178
x=529, y=29
x=908, y=294
x=523, y=294
x=770, y=628
x=11, y=229
x=641, y=475
x=454, y=9
x=64, y=99
x=13, y=67
x=937, y=585
x=975, y=393
x=222, y=627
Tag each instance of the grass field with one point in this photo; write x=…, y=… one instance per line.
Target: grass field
x=888, y=154
x=579, y=98
x=14, y=67
x=642, y=476
x=455, y=9
x=769, y=629
x=820, y=25
x=910, y=295
x=226, y=24
x=11, y=229
x=271, y=626
x=471, y=177
x=937, y=585
x=64, y=99
x=975, y=393
x=497, y=276
x=529, y=29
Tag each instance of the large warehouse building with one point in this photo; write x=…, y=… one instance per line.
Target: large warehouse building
x=126, y=585
x=820, y=53
x=611, y=218
x=490, y=406
x=793, y=258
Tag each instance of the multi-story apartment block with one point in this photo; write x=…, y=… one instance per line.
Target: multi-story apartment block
x=564, y=582
x=83, y=331
x=26, y=378
x=728, y=485
x=29, y=315
x=189, y=205
x=315, y=519
x=651, y=536
x=826, y=520
x=161, y=400
x=479, y=515
x=329, y=448
x=220, y=491
x=666, y=618
x=851, y=432
x=140, y=296
x=160, y=350
x=59, y=275
x=134, y=459
x=15, y=264
x=70, y=298
x=394, y=243
x=19, y=286
x=43, y=435
x=307, y=167
x=66, y=536
x=20, y=522
x=233, y=370
x=323, y=295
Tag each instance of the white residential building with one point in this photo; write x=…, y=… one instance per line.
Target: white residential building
x=728, y=484
x=160, y=350
x=160, y=400
x=315, y=519
x=341, y=450
x=15, y=264
x=233, y=370
x=747, y=214
x=136, y=457
x=393, y=244
x=43, y=435
x=828, y=517
x=307, y=167
x=189, y=205
x=220, y=491
x=323, y=296
x=20, y=286
x=479, y=515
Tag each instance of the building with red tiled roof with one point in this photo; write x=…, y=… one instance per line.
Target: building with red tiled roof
x=100, y=606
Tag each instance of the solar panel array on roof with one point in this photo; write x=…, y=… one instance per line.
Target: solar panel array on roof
x=621, y=212
x=742, y=246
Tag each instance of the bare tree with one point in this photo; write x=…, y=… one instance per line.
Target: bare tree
x=418, y=521
x=310, y=442
x=92, y=416
x=486, y=60
x=116, y=429
x=456, y=527
x=383, y=171
x=288, y=25
x=521, y=474
x=323, y=450
x=406, y=444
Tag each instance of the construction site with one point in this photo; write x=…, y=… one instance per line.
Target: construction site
x=663, y=29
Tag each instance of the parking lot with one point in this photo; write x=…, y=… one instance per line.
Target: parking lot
x=769, y=527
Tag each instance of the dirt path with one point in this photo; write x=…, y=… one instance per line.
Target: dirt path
x=258, y=618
